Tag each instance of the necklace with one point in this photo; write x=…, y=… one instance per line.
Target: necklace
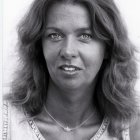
x=67, y=129
x=97, y=135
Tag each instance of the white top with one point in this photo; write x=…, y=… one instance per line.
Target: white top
x=16, y=126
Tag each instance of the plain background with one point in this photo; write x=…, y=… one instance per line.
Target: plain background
x=13, y=11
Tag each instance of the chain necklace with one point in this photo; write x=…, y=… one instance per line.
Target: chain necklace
x=67, y=129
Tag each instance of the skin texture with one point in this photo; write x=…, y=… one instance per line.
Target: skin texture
x=68, y=41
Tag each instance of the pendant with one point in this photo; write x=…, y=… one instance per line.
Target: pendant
x=67, y=129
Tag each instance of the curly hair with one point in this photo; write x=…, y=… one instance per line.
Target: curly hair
x=114, y=92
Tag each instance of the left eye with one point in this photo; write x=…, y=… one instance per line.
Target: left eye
x=86, y=37
x=55, y=36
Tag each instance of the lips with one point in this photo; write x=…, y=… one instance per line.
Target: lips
x=70, y=68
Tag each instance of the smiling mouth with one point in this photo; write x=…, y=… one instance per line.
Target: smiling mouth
x=70, y=68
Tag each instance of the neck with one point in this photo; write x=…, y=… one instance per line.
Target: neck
x=69, y=104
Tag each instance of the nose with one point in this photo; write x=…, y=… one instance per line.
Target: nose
x=68, y=50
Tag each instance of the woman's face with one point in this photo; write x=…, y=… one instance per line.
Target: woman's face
x=72, y=55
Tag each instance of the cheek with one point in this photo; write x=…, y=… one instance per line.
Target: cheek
x=49, y=58
x=48, y=55
x=50, y=52
x=93, y=64
x=94, y=56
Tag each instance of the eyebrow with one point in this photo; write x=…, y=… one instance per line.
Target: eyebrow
x=53, y=28
x=79, y=29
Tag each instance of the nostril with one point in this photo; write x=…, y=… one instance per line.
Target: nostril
x=68, y=53
x=68, y=49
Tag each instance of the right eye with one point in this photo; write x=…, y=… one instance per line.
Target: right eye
x=55, y=36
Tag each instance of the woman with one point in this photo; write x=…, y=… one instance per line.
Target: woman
x=77, y=76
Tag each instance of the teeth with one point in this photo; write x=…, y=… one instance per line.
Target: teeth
x=69, y=69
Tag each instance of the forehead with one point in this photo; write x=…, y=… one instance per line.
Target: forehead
x=61, y=14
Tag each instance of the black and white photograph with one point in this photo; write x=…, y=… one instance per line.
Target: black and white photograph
x=70, y=70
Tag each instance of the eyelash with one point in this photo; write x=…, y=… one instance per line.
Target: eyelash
x=57, y=37
x=86, y=37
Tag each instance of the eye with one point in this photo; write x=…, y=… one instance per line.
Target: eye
x=55, y=36
x=85, y=37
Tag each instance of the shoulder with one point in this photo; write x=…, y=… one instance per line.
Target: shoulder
x=15, y=124
x=12, y=110
x=11, y=117
x=12, y=113
x=135, y=130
